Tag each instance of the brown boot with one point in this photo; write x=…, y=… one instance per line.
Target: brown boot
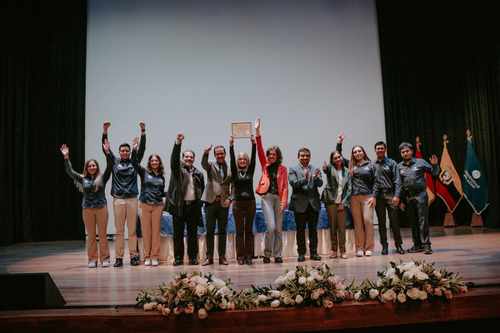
x=223, y=261
x=208, y=261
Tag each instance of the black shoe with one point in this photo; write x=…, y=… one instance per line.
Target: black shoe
x=278, y=260
x=400, y=250
x=134, y=261
x=119, y=262
x=427, y=249
x=385, y=251
x=193, y=261
x=415, y=249
x=266, y=260
x=301, y=258
x=248, y=260
x=315, y=257
x=178, y=262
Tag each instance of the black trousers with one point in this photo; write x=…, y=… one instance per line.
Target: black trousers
x=190, y=215
x=309, y=217
x=384, y=202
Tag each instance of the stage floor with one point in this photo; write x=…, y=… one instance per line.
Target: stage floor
x=474, y=253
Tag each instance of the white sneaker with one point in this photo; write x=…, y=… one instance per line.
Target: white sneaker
x=368, y=253
x=359, y=254
x=92, y=264
x=344, y=256
x=147, y=262
x=154, y=262
x=105, y=264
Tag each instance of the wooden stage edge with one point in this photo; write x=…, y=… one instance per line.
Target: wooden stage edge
x=465, y=312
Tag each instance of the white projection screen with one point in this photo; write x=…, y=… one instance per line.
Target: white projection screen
x=309, y=69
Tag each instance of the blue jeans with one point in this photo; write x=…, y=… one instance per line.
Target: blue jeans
x=273, y=243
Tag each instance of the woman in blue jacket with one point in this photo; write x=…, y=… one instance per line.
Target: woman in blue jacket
x=95, y=210
x=150, y=203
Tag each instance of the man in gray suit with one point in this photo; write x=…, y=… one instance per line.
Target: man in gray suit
x=305, y=202
x=218, y=198
x=184, y=201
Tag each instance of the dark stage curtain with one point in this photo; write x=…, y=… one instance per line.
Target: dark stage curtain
x=441, y=75
x=43, y=54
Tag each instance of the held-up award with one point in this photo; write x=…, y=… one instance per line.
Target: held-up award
x=241, y=129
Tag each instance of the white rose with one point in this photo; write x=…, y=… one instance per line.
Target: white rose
x=275, y=293
x=413, y=293
x=409, y=266
x=275, y=303
x=302, y=280
x=230, y=305
x=402, y=297
x=422, y=295
x=299, y=299
x=202, y=314
x=208, y=306
x=357, y=295
x=437, y=274
x=223, y=303
x=422, y=276
x=390, y=272
x=374, y=293
x=409, y=274
x=389, y=296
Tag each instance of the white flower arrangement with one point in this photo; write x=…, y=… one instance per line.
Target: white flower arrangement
x=303, y=286
x=415, y=280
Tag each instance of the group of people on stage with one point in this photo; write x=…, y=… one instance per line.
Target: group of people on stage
x=357, y=184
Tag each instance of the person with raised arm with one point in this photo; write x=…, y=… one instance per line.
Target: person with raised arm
x=184, y=202
x=95, y=210
x=124, y=191
x=217, y=197
x=242, y=169
x=416, y=204
x=273, y=188
x=150, y=203
x=337, y=196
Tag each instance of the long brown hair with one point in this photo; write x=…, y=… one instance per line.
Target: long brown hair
x=352, y=162
x=161, y=169
x=86, y=174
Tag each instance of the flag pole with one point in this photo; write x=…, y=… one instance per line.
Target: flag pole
x=477, y=220
x=449, y=220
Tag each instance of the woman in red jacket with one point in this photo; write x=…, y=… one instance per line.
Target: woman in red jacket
x=273, y=188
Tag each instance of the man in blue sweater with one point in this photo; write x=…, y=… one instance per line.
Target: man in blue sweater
x=124, y=191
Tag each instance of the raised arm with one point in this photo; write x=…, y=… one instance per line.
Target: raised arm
x=251, y=167
x=140, y=170
x=260, y=149
x=67, y=165
x=105, y=127
x=232, y=158
x=175, y=158
x=204, y=159
x=109, y=162
x=142, y=144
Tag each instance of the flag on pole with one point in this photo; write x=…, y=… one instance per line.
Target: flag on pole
x=431, y=192
x=475, y=186
x=448, y=185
